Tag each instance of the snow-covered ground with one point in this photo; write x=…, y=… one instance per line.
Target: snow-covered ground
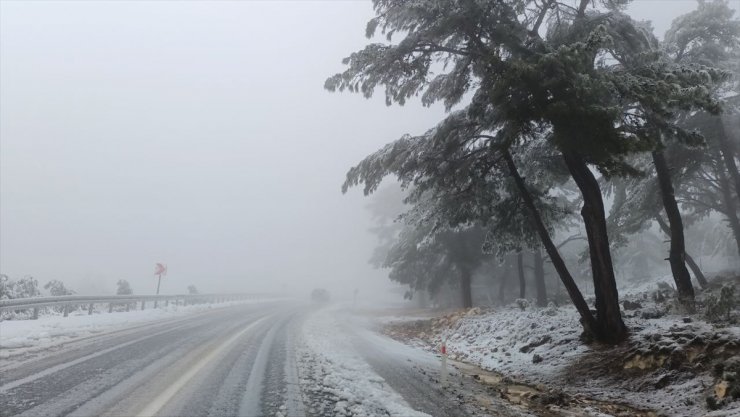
x=336, y=380
x=19, y=336
x=345, y=369
x=507, y=340
x=666, y=365
x=542, y=346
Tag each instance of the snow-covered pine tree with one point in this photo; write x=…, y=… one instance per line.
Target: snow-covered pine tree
x=123, y=287
x=25, y=287
x=563, y=82
x=678, y=85
x=429, y=251
x=453, y=186
x=710, y=36
x=57, y=288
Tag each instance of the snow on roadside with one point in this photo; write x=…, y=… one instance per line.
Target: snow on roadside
x=20, y=336
x=510, y=340
x=336, y=380
x=542, y=346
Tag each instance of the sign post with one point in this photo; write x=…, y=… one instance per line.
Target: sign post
x=159, y=270
x=443, y=370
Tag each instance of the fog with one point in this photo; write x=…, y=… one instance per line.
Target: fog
x=196, y=134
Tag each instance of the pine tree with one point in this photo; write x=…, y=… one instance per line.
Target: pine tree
x=710, y=36
x=57, y=288
x=123, y=287
x=525, y=85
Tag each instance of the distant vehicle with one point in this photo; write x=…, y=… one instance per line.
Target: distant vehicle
x=320, y=295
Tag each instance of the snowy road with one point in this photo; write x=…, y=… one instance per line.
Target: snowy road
x=225, y=362
x=244, y=360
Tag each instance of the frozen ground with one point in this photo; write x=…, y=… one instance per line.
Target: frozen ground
x=666, y=365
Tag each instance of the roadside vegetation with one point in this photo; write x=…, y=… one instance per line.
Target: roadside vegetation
x=552, y=108
x=582, y=155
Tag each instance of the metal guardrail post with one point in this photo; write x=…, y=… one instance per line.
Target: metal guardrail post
x=110, y=307
x=90, y=309
x=66, y=310
x=35, y=313
x=143, y=304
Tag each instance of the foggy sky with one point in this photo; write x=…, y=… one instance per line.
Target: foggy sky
x=196, y=134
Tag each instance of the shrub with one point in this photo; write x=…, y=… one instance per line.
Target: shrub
x=727, y=300
x=718, y=308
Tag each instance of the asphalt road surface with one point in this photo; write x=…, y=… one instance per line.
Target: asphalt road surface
x=226, y=362
x=229, y=361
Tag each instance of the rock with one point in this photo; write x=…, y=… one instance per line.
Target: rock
x=631, y=305
x=687, y=320
x=535, y=343
x=663, y=381
x=649, y=361
x=720, y=390
x=651, y=313
x=473, y=311
x=536, y=358
x=554, y=398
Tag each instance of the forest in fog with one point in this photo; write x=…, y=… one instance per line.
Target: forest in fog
x=448, y=208
x=580, y=150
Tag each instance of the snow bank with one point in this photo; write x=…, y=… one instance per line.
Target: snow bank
x=508, y=340
x=542, y=346
x=336, y=380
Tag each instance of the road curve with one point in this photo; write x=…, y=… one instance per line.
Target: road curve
x=267, y=359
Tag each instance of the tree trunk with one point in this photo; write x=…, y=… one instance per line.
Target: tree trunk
x=611, y=328
x=465, y=284
x=728, y=155
x=502, y=284
x=587, y=319
x=700, y=278
x=729, y=203
x=422, y=297
x=520, y=269
x=539, y=278
x=677, y=253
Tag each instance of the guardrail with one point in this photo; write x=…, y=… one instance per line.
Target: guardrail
x=68, y=301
